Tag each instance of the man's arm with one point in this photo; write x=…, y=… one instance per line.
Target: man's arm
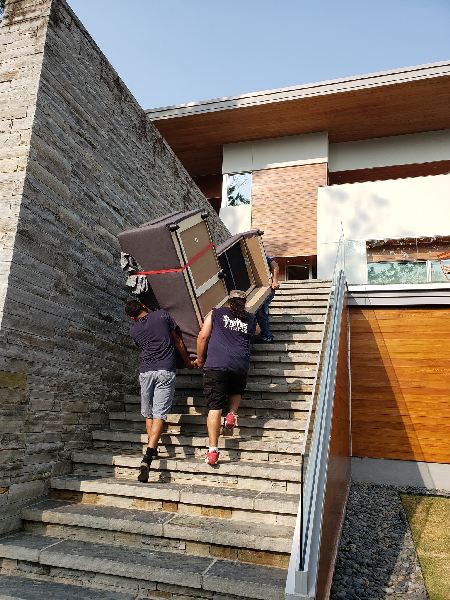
x=202, y=341
x=275, y=269
x=181, y=349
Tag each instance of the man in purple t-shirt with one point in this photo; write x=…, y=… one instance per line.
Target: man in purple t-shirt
x=225, y=340
x=155, y=333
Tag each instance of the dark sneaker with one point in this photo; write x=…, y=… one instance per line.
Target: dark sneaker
x=144, y=467
x=212, y=458
x=230, y=421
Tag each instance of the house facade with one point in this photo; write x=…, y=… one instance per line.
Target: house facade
x=366, y=158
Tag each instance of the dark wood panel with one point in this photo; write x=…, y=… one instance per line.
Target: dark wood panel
x=338, y=478
x=400, y=364
x=441, y=167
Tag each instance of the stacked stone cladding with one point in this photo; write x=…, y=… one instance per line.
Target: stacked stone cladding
x=79, y=163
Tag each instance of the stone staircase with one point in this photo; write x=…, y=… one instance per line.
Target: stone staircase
x=194, y=531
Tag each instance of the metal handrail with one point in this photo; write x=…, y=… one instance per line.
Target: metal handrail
x=302, y=572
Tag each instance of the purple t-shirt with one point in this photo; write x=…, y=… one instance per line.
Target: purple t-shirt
x=152, y=335
x=229, y=344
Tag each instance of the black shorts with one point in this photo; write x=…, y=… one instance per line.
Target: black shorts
x=218, y=385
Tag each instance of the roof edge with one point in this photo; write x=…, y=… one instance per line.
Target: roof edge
x=332, y=86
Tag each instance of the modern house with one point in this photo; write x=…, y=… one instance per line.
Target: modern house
x=365, y=157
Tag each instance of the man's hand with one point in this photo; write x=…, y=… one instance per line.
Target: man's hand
x=198, y=364
x=191, y=364
x=275, y=285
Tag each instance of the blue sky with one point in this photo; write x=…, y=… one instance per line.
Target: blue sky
x=174, y=51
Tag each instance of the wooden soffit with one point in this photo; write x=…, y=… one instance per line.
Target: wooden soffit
x=405, y=101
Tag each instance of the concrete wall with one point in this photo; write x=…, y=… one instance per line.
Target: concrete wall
x=378, y=210
x=80, y=162
x=395, y=150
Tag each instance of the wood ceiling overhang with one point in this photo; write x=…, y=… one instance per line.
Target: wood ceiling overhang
x=397, y=107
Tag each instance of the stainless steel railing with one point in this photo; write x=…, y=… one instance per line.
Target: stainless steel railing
x=303, y=566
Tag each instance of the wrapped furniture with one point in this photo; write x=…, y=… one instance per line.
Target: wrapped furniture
x=243, y=261
x=176, y=256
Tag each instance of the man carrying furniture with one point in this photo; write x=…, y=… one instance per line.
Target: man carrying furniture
x=225, y=342
x=155, y=333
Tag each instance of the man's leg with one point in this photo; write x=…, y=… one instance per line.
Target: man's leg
x=262, y=318
x=214, y=389
x=157, y=426
x=213, y=425
x=147, y=383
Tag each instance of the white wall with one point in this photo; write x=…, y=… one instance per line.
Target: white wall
x=377, y=210
x=277, y=152
x=236, y=219
x=396, y=150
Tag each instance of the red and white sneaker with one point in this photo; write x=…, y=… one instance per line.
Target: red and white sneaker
x=230, y=421
x=212, y=458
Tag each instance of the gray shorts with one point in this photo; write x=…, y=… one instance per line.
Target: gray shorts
x=157, y=390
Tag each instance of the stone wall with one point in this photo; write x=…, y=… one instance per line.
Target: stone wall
x=88, y=165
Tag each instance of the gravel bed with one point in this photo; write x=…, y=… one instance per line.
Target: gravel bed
x=376, y=557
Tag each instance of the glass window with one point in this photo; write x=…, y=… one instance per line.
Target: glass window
x=397, y=272
x=437, y=273
x=238, y=189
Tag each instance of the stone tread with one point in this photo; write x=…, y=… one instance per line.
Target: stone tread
x=226, y=443
x=242, y=423
x=272, y=502
x=278, y=372
x=272, y=471
x=298, y=402
x=205, y=529
x=24, y=588
x=228, y=577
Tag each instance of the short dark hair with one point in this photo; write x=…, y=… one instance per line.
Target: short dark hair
x=133, y=308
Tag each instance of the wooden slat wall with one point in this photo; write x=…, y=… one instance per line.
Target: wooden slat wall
x=400, y=366
x=338, y=477
x=284, y=206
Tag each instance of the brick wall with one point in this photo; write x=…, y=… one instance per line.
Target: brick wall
x=284, y=205
x=80, y=162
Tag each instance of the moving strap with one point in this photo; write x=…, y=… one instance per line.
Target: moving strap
x=178, y=269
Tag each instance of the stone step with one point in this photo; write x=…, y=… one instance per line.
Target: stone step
x=29, y=588
x=295, y=303
x=293, y=358
x=308, y=293
x=250, y=401
x=304, y=283
x=161, y=524
x=235, y=474
x=187, y=376
x=235, y=442
x=255, y=384
x=193, y=572
x=187, y=499
x=282, y=347
x=298, y=311
x=296, y=319
x=252, y=422
x=301, y=328
x=281, y=335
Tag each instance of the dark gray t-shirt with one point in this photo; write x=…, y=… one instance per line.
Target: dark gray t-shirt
x=229, y=344
x=152, y=335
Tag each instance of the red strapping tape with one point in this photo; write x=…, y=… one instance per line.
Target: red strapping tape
x=179, y=269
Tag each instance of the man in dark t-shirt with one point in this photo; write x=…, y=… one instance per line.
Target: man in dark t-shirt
x=155, y=333
x=225, y=340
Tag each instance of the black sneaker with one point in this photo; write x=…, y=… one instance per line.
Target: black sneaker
x=144, y=467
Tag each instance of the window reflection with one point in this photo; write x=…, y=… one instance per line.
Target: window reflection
x=239, y=189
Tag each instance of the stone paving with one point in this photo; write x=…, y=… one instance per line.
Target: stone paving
x=376, y=558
